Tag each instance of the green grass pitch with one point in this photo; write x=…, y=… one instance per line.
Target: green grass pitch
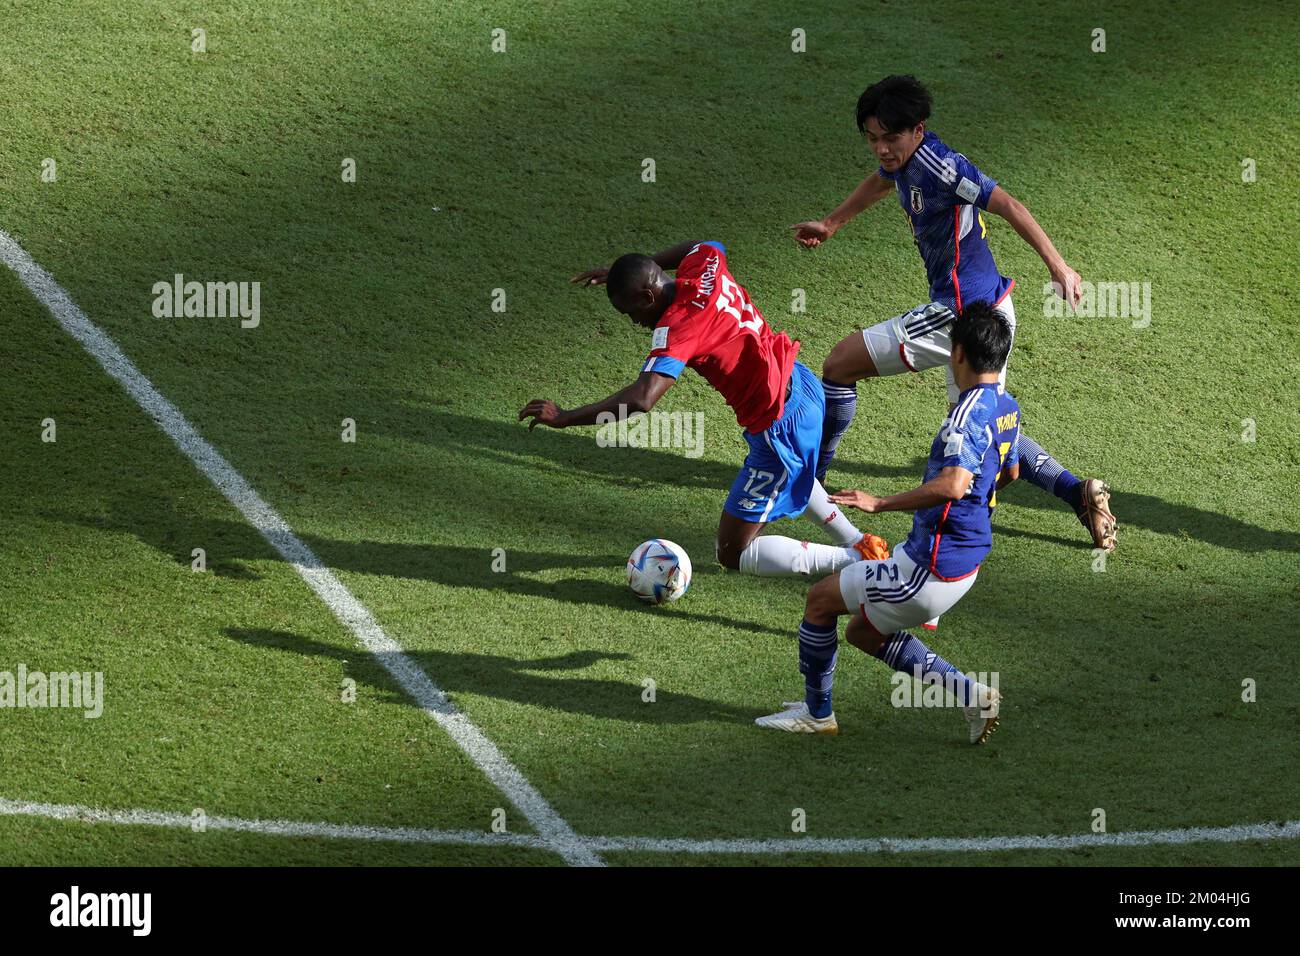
x=479, y=170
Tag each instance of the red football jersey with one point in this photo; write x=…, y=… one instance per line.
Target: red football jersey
x=713, y=328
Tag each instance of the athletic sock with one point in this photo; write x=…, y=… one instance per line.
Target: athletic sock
x=841, y=405
x=773, y=554
x=907, y=653
x=818, y=647
x=1049, y=474
x=828, y=514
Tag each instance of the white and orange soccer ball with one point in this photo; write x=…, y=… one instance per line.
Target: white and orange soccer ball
x=658, y=571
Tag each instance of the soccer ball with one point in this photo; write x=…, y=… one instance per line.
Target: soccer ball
x=658, y=571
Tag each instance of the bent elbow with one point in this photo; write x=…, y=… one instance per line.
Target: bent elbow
x=955, y=489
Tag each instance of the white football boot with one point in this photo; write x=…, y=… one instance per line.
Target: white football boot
x=796, y=720
x=983, y=720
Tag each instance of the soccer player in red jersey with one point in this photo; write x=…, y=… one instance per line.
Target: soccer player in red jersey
x=704, y=320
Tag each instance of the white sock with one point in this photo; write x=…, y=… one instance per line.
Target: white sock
x=772, y=554
x=828, y=514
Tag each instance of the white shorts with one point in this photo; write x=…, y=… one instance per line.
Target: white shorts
x=897, y=593
x=917, y=340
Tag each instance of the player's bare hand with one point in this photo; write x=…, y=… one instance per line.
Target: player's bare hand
x=1066, y=284
x=542, y=412
x=811, y=233
x=857, y=499
x=591, y=276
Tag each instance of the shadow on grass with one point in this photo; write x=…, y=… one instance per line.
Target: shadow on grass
x=1136, y=510
x=538, y=682
x=231, y=543
x=576, y=452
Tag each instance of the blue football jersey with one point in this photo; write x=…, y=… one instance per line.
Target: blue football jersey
x=982, y=435
x=942, y=193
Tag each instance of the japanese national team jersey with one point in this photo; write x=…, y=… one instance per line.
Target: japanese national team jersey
x=942, y=193
x=712, y=327
x=982, y=435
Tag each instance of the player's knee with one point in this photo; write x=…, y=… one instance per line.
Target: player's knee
x=728, y=554
x=834, y=367
x=848, y=361
x=824, y=602
x=863, y=636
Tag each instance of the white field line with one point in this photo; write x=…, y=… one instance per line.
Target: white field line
x=786, y=845
x=319, y=578
x=284, y=828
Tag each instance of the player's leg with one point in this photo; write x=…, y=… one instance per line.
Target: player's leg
x=741, y=547
x=734, y=537
x=908, y=654
x=818, y=650
x=828, y=514
x=892, y=596
x=891, y=347
x=903, y=651
x=830, y=517
x=848, y=362
x=1089, y=498
x=777, y=481
x=798, y=436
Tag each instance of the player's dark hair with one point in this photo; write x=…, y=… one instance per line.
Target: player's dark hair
x=629, y=274
x=985, y=334
x=897, y=103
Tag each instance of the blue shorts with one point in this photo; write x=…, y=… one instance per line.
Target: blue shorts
x=777, y=478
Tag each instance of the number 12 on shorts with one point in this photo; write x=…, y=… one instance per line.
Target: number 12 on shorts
x=758, y=482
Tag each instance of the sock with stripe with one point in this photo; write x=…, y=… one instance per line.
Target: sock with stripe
x=841, y=406
x=907, y=653
x=818, y=647
x=1049, y=474
x=828, y=514
x=773, y=554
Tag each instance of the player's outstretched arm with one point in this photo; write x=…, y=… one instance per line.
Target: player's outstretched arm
x=640, y=396
x=594, y=276
x=949, y=485
x=668, y=259
x=869, y=192
x=1022, y=221
x=672, y=257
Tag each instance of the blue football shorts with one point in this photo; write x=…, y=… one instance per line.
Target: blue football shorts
x=777, y=478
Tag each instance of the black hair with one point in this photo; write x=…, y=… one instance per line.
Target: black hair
x=629, y=274
x=985, y=334
x=897, y=103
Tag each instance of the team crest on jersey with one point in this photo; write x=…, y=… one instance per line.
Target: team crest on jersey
x=660, y=339
x=918, y=201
